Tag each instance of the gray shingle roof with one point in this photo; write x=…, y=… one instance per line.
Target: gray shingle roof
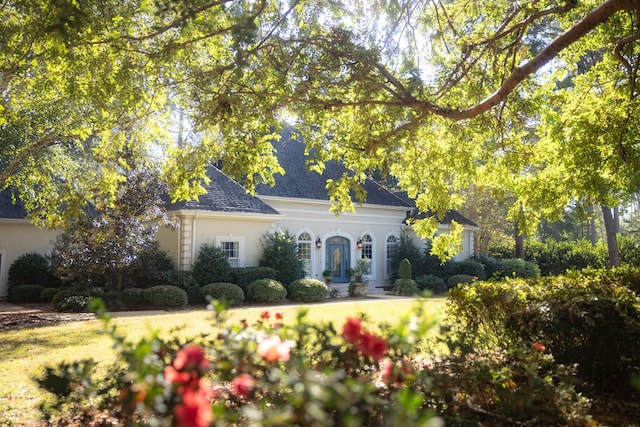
x=225, y=195
x=10, y=210
x=300, y=183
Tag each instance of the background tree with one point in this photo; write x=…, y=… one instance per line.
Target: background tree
x=100, y=243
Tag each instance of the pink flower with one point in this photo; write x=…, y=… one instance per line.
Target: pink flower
x=191, y=357
x=274, y=349
x=194, y=410
x=242, y=385
x=174, y=376
x=265, y=315
x=538, y=347
x=279, y=315
x=352, y=330
x=277, y=325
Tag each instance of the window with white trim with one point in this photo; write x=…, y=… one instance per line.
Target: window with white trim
x=393, y=244
x=304, y=252
x=366, y=252
x=233, y=247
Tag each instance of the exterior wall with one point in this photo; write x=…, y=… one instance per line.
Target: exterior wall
x=198, y=228
x=314, y=218
x=18, y=237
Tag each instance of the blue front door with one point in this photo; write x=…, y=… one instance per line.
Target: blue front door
x=338, y=258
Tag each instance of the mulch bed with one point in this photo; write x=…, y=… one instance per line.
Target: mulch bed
x=38, y=316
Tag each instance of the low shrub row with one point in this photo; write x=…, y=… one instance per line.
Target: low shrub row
x=171, y=296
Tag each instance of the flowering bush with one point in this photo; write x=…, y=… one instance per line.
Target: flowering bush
x=269, y=373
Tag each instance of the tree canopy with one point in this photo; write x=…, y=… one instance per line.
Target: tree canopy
x=533, y=99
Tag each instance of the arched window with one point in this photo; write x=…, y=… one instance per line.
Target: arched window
x=304, y=252
x=393, y=244
x=366, y=251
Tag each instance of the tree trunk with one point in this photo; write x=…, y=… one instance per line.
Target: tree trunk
x=592, y=226
x=519, y=239
x=611, y=228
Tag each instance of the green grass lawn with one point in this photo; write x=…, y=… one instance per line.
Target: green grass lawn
x=25, y=353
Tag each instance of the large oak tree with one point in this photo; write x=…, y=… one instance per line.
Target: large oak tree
x=439, y=94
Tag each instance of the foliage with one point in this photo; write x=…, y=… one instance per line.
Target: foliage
x=555, y=258
x=99, y=244
x=470, y=267
x=26, y=293
x=47, y=294
x=229, y=292
x=266, y=290
x=211, y=265
x=509, y=267
x=132, y=297
x=71, y=300
x=307, y=373
x=404, y=271
x=307, y=290
x=149, y=267
x=406, y=249
x=244, y=275
x=185, y=281
x=165, y=296
x=585, y=319
x=361, y=270
x=30, y=269
x=432, y=283
x=406, y=287
x=457, y=279
x=280, y=252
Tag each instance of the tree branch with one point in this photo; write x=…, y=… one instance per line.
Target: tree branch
x=594, y=18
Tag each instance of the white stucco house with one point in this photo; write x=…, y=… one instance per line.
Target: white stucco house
x=234, y=220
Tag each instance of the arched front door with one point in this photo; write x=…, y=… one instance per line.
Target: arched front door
x=338, y=258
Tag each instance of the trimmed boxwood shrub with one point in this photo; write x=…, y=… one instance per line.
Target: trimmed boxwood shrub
x=307, y=290
x=470, y=267
x=456, y=279
x=405, y=287
x=185, y=281
x=165, y=296
x=266, y=290
x=432, y=283
x=26, y=293
x=231, y=292
x=245, y=275
x=132, y=297
x=47, y=294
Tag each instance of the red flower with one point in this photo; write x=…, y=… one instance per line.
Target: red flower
x=352, y=330
x=194, y=410
x=174, y=376
x=242, y=385
x=274, y=349
x=265, y=315
x=538, y=347
x=372, y=346
x=395, y=374
x=191, y=357
x=279, y=315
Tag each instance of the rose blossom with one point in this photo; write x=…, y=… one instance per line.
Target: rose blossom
x=352, y=330
x=265, y=315
x=191, y=357
x=242, y=385
x=274, y=349
x=537, y=346
x=194, y=410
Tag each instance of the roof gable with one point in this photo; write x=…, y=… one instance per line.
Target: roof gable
x=225, y=195
x=451, y=215
x=299, y=182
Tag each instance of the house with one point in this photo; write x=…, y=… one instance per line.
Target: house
x=236, y=221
